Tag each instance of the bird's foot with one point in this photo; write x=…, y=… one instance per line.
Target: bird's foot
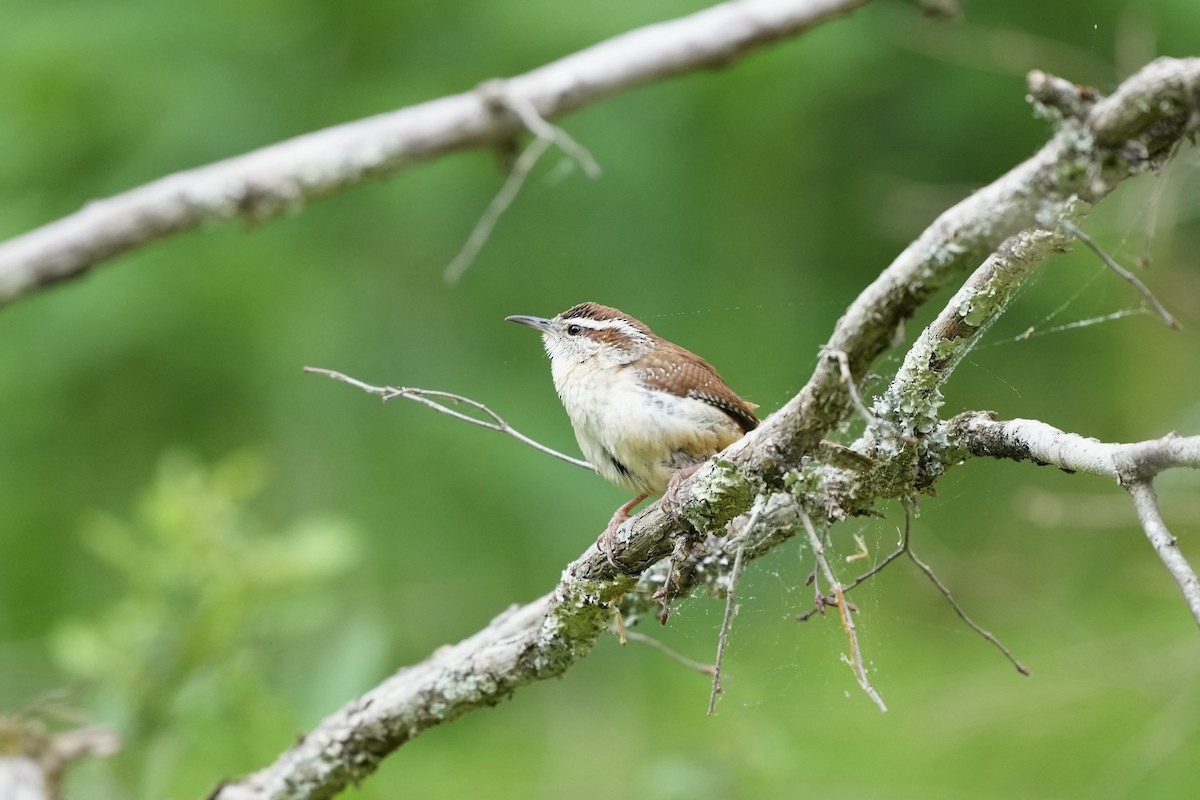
x=672, y=502
x=605, y=541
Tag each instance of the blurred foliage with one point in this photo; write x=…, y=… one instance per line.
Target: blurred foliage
x=210, y=605
x=739, y=211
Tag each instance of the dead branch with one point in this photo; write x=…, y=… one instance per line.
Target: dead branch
x=1111, y=263
x=433, y=399
x=33, y=761
x=1133, y=466
x=283, y=177
x=855, y=659
x=735, y=572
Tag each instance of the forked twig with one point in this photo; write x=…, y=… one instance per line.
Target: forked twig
x=905, y=548
x=855, y=659
x=545, y=136
x=866, y=576
x=430, y=398
x=536, y=124
x=1072, y=229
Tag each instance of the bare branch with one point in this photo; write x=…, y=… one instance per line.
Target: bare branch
x=1156, y=106
x=1170, y=321
x=650, y=641
x=929, y=573
x=848, y=381
x=429, y=398
x=284, y=176
x=980, y=434
x=1145, y=501
x=33, y=762
x=1131, y=465
x=1066, y=97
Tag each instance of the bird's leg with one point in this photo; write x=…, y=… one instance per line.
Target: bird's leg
x=605, y=542
x=671, y=501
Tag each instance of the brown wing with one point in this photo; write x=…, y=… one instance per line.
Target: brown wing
x=683, y=373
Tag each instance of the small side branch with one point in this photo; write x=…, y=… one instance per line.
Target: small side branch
x=433, y=399
x=855, y=659
x=912, y=401
x=677, y=657
x=546, y=134
x=986, y=634
x=760, y=503
x=905, y=548
x=979, y=433
x=1165, y=315
x=848, y=379
x=1145, y=501
x=1133, y=466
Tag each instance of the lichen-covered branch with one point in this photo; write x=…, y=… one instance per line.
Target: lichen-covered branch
x=285, y=176
x=542, y=639
x=910, y=405
x=1095, y=147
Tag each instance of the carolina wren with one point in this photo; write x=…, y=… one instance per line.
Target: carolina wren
x=646, y=412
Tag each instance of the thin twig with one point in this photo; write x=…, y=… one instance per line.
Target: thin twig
x=1145, y=501
x=635, y=636
x=539, y=127
x=735, y=572
x=430, y=398
x=929, y=573
x=866, y=576
x=500, y=203
x=545, y=134
x=848, y=380
x=905, y=548
x=1124, y=273
x=855, y=659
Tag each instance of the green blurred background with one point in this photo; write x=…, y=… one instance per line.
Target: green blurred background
x=209, y=550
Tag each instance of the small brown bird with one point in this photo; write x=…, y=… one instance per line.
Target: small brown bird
x=646, y=412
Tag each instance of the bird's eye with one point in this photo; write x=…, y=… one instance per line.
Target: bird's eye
x=574, y=330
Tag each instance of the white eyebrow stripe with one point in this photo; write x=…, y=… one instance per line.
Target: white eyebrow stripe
x=607, y=325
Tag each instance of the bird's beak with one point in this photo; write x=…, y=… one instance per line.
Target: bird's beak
x=540, y=323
